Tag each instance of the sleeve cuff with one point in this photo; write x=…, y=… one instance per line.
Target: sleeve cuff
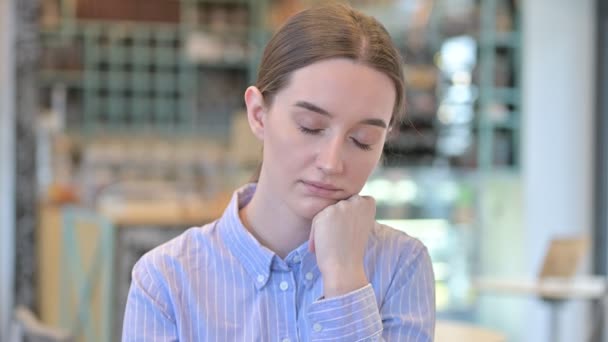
x=353, y=316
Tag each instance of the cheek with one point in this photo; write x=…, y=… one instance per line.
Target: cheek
x=361, y=167
x=288, y=148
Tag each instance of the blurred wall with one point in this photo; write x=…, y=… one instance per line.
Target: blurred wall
x=601, y=149
x=558, y=105
x=7, y=147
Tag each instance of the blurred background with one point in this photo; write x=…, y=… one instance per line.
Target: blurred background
x=122, y=124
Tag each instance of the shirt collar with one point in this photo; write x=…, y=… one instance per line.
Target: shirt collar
x=308, y=263
x=255, y=258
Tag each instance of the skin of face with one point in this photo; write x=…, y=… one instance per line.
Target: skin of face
x=322, y=134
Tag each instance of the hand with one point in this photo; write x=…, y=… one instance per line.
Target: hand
x=338, y=237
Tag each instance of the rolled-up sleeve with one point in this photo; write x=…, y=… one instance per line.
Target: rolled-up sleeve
x=148, y=314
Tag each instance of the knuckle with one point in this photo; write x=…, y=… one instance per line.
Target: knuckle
x=369, y=199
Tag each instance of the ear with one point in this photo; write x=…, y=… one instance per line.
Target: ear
x=256, y=111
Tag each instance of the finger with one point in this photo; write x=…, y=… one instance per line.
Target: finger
x=369, y=203
x=353, y=198
x=368, y=198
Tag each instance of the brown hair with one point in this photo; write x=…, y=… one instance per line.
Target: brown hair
x=332, y=31
x=325, y=32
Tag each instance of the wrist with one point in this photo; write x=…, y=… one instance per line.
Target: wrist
x=342, y=282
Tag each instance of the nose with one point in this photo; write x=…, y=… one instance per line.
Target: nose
x=329, y=157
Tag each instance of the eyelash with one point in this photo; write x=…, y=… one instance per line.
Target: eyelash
x=305, y=130
x=309, y=131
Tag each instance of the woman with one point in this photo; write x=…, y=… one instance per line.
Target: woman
x=297, y=255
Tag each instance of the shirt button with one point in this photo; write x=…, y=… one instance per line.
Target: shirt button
x=297, y=259
x=284, y=286
x=260, y=278
x=285, y=340
x=308, y=276
x=317, y=327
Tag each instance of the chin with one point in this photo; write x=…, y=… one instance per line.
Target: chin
x=308, y=208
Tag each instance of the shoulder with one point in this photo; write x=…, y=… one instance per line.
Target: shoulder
x=389, y=239
x=395, y=250
x=177, y=254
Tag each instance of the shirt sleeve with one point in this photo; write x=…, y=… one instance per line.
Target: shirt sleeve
x=148, y=314
x=408, y=311
x=407, y=314
x=350, y=317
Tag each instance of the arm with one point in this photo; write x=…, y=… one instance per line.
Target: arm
x=148, y=315
x=408, y=311
x=407, y=314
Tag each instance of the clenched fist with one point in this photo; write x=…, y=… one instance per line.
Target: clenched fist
x=338, y=237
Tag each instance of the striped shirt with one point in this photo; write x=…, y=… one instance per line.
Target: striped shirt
x=218, y=283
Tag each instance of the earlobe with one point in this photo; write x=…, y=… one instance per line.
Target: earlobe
x=256, y=111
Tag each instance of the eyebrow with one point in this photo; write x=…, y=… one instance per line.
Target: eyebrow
x=314, y=108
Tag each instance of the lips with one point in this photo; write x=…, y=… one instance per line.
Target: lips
x=323, y=186
x=321, y=189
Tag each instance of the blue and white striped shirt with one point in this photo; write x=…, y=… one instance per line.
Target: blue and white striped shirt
x=218, y=283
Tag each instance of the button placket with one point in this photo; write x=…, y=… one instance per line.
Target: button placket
x=284, y=285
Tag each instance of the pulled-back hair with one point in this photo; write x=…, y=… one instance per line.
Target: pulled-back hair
x=325, y=32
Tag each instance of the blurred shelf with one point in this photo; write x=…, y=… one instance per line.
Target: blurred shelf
x=218, y=2
x=70, y=78
x=140, y=75
x=506, y=124
x=130, y=213
x=229, y=31
x=510, y=96
x=501, y=40
x=221, y=65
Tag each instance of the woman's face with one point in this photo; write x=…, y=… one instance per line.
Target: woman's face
x=323, y=134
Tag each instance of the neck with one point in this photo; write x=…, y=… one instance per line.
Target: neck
x=273, y=224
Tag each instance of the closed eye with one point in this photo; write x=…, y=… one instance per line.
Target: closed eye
x=365, y=147
x=310, y=131
x=360, y=145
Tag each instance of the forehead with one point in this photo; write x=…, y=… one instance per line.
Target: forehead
x=341, y=87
